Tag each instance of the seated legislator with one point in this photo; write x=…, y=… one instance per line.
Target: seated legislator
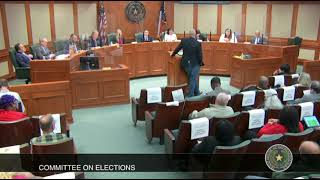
x=4, y=90
x=272, y=100
x=224, y=136
x=288, y=122
x=216, y=87
x=146, y=37
x=228, y=37
x=313, y=96
x=307, y=164
x=47, y=126
x=23, y=59
x=170, y=36
x=263, y=84
x=257, y=39
x=219, y=109
x=283, y=70
x=304, y=80
x=200, y=36
x=94, y=40
x=9, y=109
x=43, y=52
x=119, y=36
x=73, y=42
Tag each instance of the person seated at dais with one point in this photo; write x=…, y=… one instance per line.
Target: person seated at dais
x=257, y=39
x=22, y=58
x=46, y=123
x=228, y=37
x=72, y=43
x=146, y=37
x=9, y=107
x=170, y=36
x=94, y=40
x=120, y=37
x=219, y=109
x=43, y=52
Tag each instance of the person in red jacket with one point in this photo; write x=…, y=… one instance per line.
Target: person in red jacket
x=287, y=122
x=9, y=109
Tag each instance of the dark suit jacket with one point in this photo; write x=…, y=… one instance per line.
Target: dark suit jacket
x=42, y=52
x=253, y=40
x=209, y=144
x=150, y=39
x=66, y=47
x=201, y=37
x=192, y=52
x=22, y=60
x=92, y=43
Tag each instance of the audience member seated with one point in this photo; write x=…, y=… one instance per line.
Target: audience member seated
x=46, y=123
x=224, y=136
x=216, y=87
x=43, y=52
x=9, y=109
x=4, y=90
x=313, y=96
x=199, y=36
x=170, y=36
x=94, y=40
x=288, y=122
x=283, y=70
x=119, y=36
x=309, y=163
x=146, y=37
x=23, y=59
x=257, y=39
x=263, y=84
x=304, y=80
x=228, y=37
x=219, y=109
x=72, y=43
x=272, y=100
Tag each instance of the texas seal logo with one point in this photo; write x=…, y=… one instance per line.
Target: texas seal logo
x=279, y=158
x=135, y=11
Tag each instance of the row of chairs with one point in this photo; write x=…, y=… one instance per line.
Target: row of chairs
x=289, y=80
x=22, y=131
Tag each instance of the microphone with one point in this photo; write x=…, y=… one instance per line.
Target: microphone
x=234, y=37
x=262, y=39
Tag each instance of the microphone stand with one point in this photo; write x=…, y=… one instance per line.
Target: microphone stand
x=262, y=39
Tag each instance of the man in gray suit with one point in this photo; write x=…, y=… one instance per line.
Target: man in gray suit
x=257, y=39
x=313, y=96
x=43, y=52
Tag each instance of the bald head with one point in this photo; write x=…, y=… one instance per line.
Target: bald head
x=263, y=82
x=192, y=33
x=46, y=123
x=222, y=99
x=309, y=147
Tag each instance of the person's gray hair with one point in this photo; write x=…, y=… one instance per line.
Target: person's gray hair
x=273, y=102
x=192, y=33
x=315, y=87
x=305, y=79
x=42, y=39
x=222, y=99
x=46, y=122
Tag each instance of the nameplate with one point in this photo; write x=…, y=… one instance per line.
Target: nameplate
x=199, y=128
x=248, y=98
x=288, y=93
x=154, y=95
x=56, y=122
x=256, y=118
x=306, y=109
x=134, y=42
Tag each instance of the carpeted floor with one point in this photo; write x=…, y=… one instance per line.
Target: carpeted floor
x=109, y=129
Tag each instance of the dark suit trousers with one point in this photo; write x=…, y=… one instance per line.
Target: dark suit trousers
x=193, y=73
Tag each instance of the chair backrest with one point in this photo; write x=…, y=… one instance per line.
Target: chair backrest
x=316, y=111
x=316, y=135
x=18, y=132
x=143, y=99
x=261, y=145
x=167, y=94
x=294, y=140
x=289, y=80
x=33, y=49
x=299, y=91
x=242, y=124
x=183, y=142
x=138, y=36
x=236, y=101
x=112, y=38
x=196, y=103
x=220, y=166
x=36, y=126
x=59, y=45
x=214, y=121
x=295, y=41
x=167, y=117
x=12, y=54
x=64, y=147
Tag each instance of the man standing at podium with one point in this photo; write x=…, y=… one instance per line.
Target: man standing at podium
x=191, y=61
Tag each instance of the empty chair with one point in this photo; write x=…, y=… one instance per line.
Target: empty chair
x=238, y=106
x=243, y=123
x=63, y=124
x=300, y=91
x=140, y=105
x=214, y=121
x=167, y=94
x=294, y=140
x=289, y=80
x=14, y=133
x=196, y=103
x=164, y=117
x=220, y=166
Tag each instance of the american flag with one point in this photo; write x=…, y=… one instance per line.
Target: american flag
x=162, y=17
x=102, y=23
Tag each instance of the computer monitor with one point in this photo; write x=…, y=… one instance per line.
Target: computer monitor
x=89, y=63
x=311, y=121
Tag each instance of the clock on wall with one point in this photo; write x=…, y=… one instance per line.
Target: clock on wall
x=135, y=11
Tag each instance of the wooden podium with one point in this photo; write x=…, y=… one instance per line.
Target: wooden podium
x=176, y=75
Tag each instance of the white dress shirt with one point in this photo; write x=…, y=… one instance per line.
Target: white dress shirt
x=232, y=40
x=170, y=38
